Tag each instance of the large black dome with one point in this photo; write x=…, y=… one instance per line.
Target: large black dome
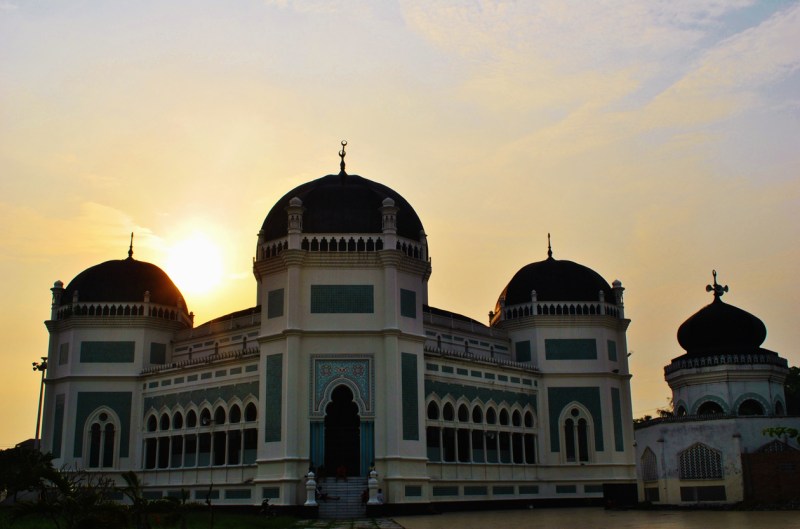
x=124, y=280
x=555, y=280
x=342, y=203
x=721, y=328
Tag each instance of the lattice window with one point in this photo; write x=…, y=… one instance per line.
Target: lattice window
x=700, y=462
x=649, y=466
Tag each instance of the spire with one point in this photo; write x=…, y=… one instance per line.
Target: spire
x=718, y=289
x=342, y=155
x=130, y=248
x=549, y=249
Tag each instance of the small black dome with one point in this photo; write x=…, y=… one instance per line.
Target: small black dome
x=721, y=328
x=124, y=280
x=555, y=280
x=342, y=203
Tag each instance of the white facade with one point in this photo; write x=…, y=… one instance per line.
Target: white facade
x=344, y=365
x=726, y=390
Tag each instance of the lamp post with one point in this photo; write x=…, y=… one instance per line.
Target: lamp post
x=39, y=366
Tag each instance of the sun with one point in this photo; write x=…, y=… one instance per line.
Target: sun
x=195, y=264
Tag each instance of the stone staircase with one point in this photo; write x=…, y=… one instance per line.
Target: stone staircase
x=349, y=493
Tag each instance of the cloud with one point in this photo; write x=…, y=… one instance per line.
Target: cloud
x=93, y=229
x=727, y=78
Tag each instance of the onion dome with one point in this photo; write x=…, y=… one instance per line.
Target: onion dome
x=721, y=328
x=556, y=280
x=341, y=203
x=123, y=280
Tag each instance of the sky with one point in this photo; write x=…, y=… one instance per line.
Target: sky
x=655, y=141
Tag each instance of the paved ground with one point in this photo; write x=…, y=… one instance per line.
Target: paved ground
x=365, y=523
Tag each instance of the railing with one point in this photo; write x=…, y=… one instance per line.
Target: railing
x=560, y=308
x=725, y=359
x=128, y=310
x=343, y=243
x=700, y=418
x=485, y=359
x=208, y=359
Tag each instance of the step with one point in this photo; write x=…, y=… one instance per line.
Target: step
x=349, y=493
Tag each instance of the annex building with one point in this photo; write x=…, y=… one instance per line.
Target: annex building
x=344, y=364
x=726, y=391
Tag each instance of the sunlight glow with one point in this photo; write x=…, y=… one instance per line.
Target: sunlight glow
x=195, y=265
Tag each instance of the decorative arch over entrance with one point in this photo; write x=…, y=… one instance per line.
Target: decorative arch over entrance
x=335, y=376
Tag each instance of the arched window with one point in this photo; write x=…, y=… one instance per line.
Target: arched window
x=433, y=411
x=504, y=417
x=205, y=417
x=152, y=424
x=250, y=413
x=491, y=416
x=448, y=412
x=528, y=419
x=700, y=462
x=477, y=415
x=177, y=421
x=649, y=465
x=463, y=413
x=191, y=419
x=219, y=415
x=779, y=408
x=516, y=418
x=235, y=415
x=164, y=421
x=680, y=411
x=709, y=408
x=751, y=407
x=101, y=439
x=576, y=433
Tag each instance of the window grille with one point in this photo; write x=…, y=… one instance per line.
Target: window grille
x=649, y=466
x=700, y=462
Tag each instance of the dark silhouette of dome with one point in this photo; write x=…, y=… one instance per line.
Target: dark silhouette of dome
x=555, y=280
x=124, y=280
x=721, y=328
x=342, y=203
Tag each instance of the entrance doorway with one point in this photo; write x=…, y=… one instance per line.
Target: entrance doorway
x=342, y=433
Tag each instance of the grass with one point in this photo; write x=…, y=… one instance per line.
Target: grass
x=196, y=520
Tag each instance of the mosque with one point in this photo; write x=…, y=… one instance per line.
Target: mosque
x=344, y=366
x=727, y=393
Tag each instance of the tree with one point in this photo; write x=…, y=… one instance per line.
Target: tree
x=791, y=388
x=76, y=499
x=140, y=506
x=23, y=469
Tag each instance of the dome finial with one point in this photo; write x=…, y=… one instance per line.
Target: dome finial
x=718, y=289
x=342, y=155
x=130, y=248
x=549, y=248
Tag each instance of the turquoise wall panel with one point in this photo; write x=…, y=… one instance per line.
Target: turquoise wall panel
x=616, y=410
x=408, y=303
x=482, y=394
x=570, y=349
x=197, y=396
x=612, y=350
x=273, y=402
x=589, y=397
x=523, y=351
x=275, y=303
x=89, y=401
x=367, y=446
x=107, y=352
x=342, y=299
x=410, y=400
x=158, y=353
x=58, y=426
